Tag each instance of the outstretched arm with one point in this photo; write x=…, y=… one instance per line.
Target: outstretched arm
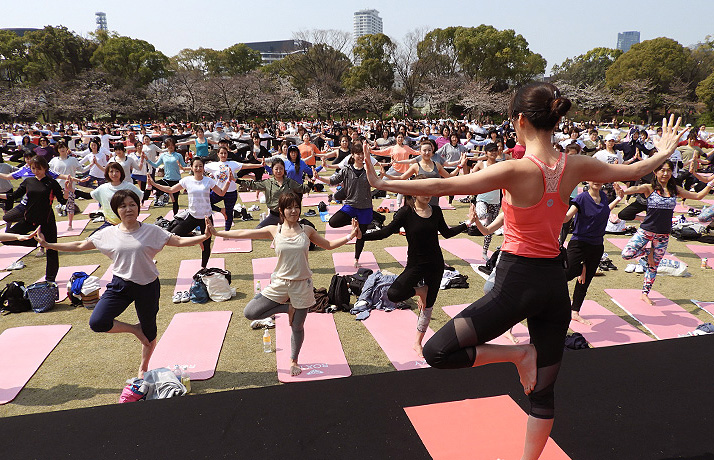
x=333, y=244
x=164, y=188
x=265, y=233
x=73, y=246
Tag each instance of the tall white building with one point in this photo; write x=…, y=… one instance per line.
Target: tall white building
x=367, y=22
x=625, y=40
x=101, y=20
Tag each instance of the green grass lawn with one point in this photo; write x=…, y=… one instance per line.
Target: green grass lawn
x=89, y=369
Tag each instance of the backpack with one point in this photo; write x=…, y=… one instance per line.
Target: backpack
x=198, y=293
x=42, y=296
x=217, y=283
x=356, y=281
x=339, y=292
x=12, y=298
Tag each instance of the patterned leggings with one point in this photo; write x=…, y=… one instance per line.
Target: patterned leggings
x=487, y=213
x=637, y=247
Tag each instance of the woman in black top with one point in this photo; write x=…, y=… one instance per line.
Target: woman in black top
x=422, y=223
x=40, y=190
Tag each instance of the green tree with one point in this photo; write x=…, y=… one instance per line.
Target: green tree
x=705, y=92
x=321, y=67
x=56, y=52
x=130, y=60
x=659, y=61
x=202, y=59
x=237, y=59
x=13, y=56
x=588, y=68
x=437, y=52
x=374, y=53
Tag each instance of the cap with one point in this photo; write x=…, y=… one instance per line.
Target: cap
x=293, y=147
x=219, y=125
x=610, y=137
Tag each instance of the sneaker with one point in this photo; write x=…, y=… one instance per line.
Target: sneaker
x=177, y=297
x=310, y=213
x=602, y=266
x=608, y=263
x=465, y=199
x=630, y=268
x=185, y=297
x=266, y=323
x=485, y=269
x=246, y=217
x=98, y=219
x=639, y=268
x=17, y=265
x=254, y=208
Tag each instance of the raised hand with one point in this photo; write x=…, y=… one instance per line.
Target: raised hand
x=356, y=232
x=39, y=237
x=670, y=135
x=210, y=230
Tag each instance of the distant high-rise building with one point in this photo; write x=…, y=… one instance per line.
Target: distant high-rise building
x=367, y=22
x=101, y=21
x=276, y=50
x=625, y=40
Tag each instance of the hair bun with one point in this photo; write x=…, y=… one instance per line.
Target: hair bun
x=560, y=106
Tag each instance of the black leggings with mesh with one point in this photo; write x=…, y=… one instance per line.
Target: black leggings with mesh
x=525, y=288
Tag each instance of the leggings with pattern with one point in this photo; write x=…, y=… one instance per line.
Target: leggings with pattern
x=637, y=247
x=487, y=213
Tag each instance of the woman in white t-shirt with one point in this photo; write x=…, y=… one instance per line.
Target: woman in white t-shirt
x=221, y=171
x=132, y=246
x=198, y=187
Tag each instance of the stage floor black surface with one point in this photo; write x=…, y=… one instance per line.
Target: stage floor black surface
x=648, y=401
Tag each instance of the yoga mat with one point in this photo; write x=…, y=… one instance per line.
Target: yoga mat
x=665, y=319
x=486, y=428
x=248, y=197
x=321, y=356
x=225, y=245
x=519, y=331
x=444, y=203
x=262, y=269
x=91, y=207
x=475, y=267
x=65, y=273
x=607, y=328
x=11, y=254
x=332, y=233
x=314, y=199
x=146, y=205
x=464, y=249
x=192, y=339
x=3, y=275
x=395, y=332
x=142, y=217
x=189, y=267
x=622, y=242
x=78, y=226
x=106, y=279
x=345, y=262
x=22, y=351
x=706, y=306
x=681, y=208
x=399, y=253
x=702, y=251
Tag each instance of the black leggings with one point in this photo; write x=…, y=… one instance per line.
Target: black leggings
x=342, y=219
x=581, y=253
x=175, y=196
x=631, y=210
x=187, y=226
x=525, y=288
x=49, y=230
x=403, y=287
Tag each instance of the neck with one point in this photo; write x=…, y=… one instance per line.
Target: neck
x=593, y=193
x=129, y=224
x=421, y=206
x=115, y=183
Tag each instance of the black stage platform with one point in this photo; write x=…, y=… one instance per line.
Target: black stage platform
x=648, y=401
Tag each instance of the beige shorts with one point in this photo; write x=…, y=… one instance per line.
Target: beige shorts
x=298, y=293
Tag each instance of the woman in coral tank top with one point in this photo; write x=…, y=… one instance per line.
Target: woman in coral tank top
x=530, y=282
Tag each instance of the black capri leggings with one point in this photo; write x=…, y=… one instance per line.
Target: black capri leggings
x=581, y=253
x=175, y=196
x=403, y=287
x=525, y=288
x=187, y=226
x=342, y=219
x=49, y=230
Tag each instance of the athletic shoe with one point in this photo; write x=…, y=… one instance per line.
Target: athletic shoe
x=254, y=208
x=266, y=323
x=246, y=217
x=630, y=268
x=639, y=268
x=310, y=213
x=608, y=263
x=485, y=269
x=17, y=265
x=185, y=297
x=465, y=199
x=602, y=266
x=177, y=297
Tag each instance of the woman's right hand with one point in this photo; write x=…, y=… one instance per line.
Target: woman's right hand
x=210, y=229
x=670, y=135
x=39, y=237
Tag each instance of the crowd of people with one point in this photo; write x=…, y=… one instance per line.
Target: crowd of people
x=523, y=174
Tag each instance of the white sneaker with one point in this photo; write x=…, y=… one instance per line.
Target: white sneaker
x=17, y=265
x=639, y=268
x=177, y=297
x=266, y=323
x=185, y=296
x=254, y=208
x=630, y=268
x=498, y=232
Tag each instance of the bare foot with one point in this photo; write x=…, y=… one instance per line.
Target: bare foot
x=645, y=298
x=575, y=316
x=526, y=366
x=509, y=335
x=419, y=350
x=356, y=263
x=69, y=227
x=295, y=369
x=420, y=292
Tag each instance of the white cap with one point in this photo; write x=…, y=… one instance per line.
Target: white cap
x=610, y=137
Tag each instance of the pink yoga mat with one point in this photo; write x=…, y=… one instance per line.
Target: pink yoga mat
x=22, y=351
x=3, y=275
x=395, y=332
x=706, y=306
x=314, y=199
x=65, y=273
x=78, y=226
x=345, y=262
x=91, y=207
x=702, y=251
x=192, y=339
x=189, y=267
x=665, y=319
x=248, y=197
x=444, y=203
x=106, y=279
x=146, y=205
x=607, y=328
x=11, y=254
x=226, y=245
x=519, y=331
x=485, y=428
x=464, y=249
x=321, y=356
x=332, y=233
x=399, y=253
x=622, y=242
x=387, y=201
x=262, y=269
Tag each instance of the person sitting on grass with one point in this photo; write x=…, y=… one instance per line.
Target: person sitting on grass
x=132, y=246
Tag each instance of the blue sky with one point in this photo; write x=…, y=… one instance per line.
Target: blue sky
x=555, y=29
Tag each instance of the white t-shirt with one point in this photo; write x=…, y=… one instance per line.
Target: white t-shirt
x=70, y=167
x=127, y=164
x=199, y=200
x=132, y=252
x=609, y=158
x=221, y=171
x=344, y=163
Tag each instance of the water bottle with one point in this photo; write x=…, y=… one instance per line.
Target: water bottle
x=257, y=287
x=186, y=378
x=266, y=342
x=391, y=206
x=177, y=371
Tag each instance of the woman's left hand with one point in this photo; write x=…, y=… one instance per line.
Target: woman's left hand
x=356, y=232
x=472, y=216
x=210, y=230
